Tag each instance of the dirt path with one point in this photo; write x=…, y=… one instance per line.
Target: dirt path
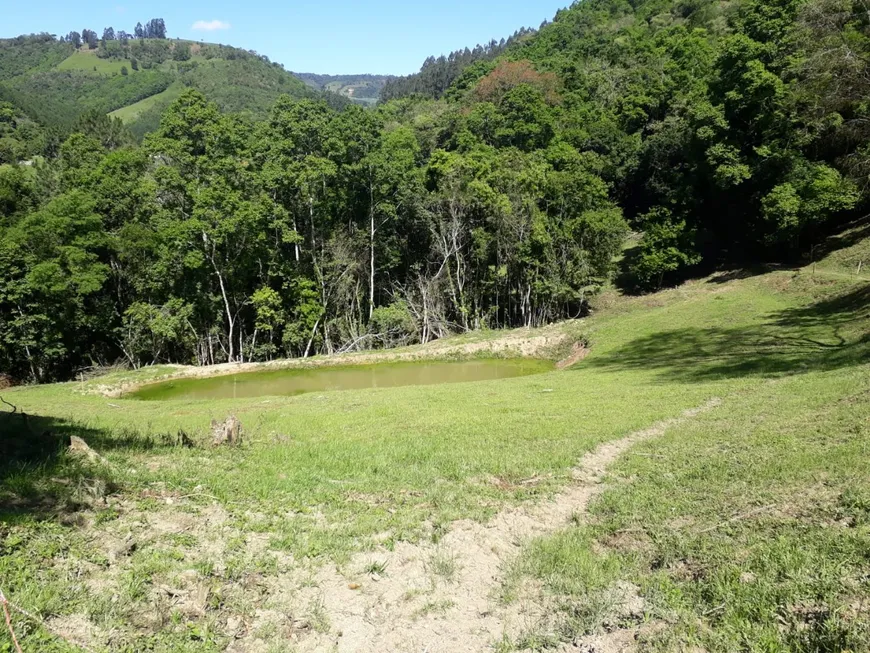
x=440, y=597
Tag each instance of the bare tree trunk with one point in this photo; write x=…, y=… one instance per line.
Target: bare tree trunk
x=296, y=245
x=231, y=323
x=311, y=339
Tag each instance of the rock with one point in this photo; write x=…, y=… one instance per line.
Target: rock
x=79, y=447
x=122, y=549
x=234, y=626
x=227, y=432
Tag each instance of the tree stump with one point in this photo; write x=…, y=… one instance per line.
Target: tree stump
x=227, y=432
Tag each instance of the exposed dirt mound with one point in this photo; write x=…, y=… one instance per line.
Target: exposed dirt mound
x=578, y=352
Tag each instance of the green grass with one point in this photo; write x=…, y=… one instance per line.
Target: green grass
x=847, y=254
x=748, y=528
x=772, y=485
x=88, y=61
x=133, y=112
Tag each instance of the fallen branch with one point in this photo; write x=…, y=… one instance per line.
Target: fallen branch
x=6, y=603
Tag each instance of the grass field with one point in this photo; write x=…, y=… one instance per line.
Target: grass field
x=744, y=528
x=88, y=61
x=132, y=112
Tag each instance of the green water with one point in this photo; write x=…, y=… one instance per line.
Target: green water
x=351, y=377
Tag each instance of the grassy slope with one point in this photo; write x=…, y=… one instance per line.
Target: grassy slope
x=325, y=474
x=133, y=112
x=747, y=528
x=88, y=61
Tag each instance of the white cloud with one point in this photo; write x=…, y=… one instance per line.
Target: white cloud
x=210, y=25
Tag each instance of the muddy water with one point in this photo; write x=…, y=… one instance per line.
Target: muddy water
x=351, y=377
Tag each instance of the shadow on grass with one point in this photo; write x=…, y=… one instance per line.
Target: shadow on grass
x=724, y=267
x=850, y=235
x=829, y=334
x=39, y=475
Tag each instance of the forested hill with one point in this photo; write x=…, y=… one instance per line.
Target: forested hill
x=724, y=132
x=362, y=89
x=438, y=74
x=56, y=81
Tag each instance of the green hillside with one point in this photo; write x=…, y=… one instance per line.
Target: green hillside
x=30, y=54
x=55, y=83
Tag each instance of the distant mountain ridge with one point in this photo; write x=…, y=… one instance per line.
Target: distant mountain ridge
x=362, y=89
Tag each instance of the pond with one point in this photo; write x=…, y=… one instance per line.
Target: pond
x=289, y=382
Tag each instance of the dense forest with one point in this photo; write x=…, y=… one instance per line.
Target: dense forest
x=438, y=74
x=720, y=131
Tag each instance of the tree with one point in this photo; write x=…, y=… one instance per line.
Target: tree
x=90, y=37
x=389, y=172
x=134, y=63
x=139, y=31
x=76, y=39
x=214, y=208
x=50, y=286
x=108, y=34
x=155, y=29
x=510, y=74
x=124, y=71
x=666, y=247
x=181, y=51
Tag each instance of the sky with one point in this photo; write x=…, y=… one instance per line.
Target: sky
x=317, y=36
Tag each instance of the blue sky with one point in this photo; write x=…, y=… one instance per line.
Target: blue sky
x=319, y=36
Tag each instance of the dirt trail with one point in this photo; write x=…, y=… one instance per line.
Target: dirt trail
x=441, y=597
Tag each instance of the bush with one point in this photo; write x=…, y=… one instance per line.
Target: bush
x=666, y=248
x=394, y=325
